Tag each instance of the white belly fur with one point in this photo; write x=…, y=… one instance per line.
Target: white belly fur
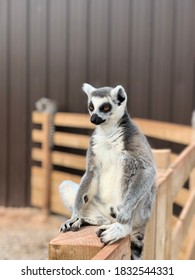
x=107, y=157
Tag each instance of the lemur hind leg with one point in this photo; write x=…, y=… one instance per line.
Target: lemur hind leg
x=89, y=215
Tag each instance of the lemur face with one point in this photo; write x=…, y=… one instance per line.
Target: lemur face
x=105, y=104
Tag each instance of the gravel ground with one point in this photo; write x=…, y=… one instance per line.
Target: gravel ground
x=26, y=232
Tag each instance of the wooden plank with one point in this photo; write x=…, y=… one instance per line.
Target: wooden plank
x=68, y=160
x=37, y=189
x=188, y=211
x=166, y=131
x=37, y=117
x=36, y=171
x=190, y=251
x=119, y=250
x=73, y=120
x=183, y=224
x=71, y=140
x=37, y=135
x=81, y=245
x=37, y=183
x=46, y=161
x=162, y=158
x=182, y=197
x=181, y=169
x=37, y=154
x=177, y=238
x=174, y=222
x=56, y=204
x=37, y=198
x=173, y=157
x=150, y=237
x=192, y=179
x=188, y=247
x=57, y=176
x=163, y=218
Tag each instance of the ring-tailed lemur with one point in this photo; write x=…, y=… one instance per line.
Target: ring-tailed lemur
x=49, y=106
x=118, y=188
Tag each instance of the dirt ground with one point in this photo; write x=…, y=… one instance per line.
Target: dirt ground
x=26, y=232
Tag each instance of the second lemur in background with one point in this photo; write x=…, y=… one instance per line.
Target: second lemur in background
x=118, y=189
x=48, y=106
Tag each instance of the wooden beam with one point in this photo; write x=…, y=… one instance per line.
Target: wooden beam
x=69, y=160
x=73, y=120
x=37, y=135
x=177, y=133
x=81, y=245
x=182, y=167
x=37, y=117
x=163, y=217
x=37, y=154
x=85, y=245
x=182, y=225
x=71, y=140
x=150, y=237
x=120, y=250
x=46, y=160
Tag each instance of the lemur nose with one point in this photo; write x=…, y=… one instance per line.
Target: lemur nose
x=96, y=119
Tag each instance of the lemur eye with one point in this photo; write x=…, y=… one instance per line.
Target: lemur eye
x=106, y=107
x=91, y=107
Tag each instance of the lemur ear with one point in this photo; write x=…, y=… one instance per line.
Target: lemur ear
x=88, y=89
x=119, y=94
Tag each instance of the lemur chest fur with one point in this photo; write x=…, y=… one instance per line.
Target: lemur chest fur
x=107, y=150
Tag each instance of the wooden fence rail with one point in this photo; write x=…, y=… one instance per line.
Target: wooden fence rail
x=168, y=235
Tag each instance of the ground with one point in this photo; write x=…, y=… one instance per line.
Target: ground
x=26, y=232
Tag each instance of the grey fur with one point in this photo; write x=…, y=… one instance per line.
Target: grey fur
x=48, y=106
x=137, y=184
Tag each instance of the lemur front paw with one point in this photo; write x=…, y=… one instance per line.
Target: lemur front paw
x=123, y=217
x=109, y=234
x=73, y=224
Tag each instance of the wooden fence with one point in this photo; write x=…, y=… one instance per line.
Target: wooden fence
x=168, y=235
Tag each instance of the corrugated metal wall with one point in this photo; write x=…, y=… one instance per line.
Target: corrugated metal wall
x=50, y=47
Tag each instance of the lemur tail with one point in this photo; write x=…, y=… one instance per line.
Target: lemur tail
x=137, y=245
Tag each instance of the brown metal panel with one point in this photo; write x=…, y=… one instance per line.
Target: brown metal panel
x=77, y=54
x=38, y=62
x=3, y=101
x=17, y=105
x=57, y=52
x=119, y=43
x=161, y=70
x=183, y=63
x=140, y=55
x=98, y=42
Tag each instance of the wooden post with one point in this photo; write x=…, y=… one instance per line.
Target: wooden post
x=81, y=245
x=163, y=218
x=152, y=251
x=85, y=245
x=46, y=161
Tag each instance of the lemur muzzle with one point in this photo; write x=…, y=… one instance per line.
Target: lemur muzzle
x=96, y=119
